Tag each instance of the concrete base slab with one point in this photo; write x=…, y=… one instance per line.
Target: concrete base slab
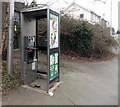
x=41, y=91
x=35, y=89
x=56, y=85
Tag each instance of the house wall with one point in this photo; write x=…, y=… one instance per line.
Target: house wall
x=75, y=12
x=95, y=19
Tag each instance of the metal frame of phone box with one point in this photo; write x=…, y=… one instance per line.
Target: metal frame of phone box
x=43, y=12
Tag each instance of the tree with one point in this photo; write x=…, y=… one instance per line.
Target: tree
x=4, y=36
x=32, y=4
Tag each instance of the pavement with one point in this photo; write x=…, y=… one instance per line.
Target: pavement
x=82, y=84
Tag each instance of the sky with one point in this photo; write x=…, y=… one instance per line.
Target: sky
x=98, y=7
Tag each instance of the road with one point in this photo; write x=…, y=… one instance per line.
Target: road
x=83, y=84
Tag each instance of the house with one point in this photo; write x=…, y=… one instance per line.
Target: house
x=95, y=19
x=79, y=12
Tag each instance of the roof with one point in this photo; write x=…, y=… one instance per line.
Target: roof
x=21, y=1
x=104, y=20
x=95, y=14
x=37, y=8
x=37, y=12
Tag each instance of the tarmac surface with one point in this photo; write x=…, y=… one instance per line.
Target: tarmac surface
x=82, y=84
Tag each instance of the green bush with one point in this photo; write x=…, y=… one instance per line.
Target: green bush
x=83, y=39
x=76, y=37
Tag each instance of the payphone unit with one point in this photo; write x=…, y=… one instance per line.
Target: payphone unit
x=30, y=48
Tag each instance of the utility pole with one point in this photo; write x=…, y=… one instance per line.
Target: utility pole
x=10, y=38
x=118, y=31
x=111, y=19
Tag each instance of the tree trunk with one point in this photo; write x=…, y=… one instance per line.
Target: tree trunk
x=4, y=38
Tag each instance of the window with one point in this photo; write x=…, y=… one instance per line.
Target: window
x=81, y=16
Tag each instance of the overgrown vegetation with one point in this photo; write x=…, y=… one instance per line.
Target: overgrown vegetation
x=4, y=56
x=83, y=39
x=10, y=81
x=102, y=41
x=79, y=38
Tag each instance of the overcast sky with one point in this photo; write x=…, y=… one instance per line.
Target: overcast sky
x=98, y=7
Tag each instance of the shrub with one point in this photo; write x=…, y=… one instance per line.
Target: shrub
x=67, y=42
x=67, y=24
x=83, y=38
x=76, y=37
x=4, y=55
x=10, y=81
x=102, y=41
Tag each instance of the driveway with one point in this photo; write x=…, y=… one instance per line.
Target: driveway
x=83, y=84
